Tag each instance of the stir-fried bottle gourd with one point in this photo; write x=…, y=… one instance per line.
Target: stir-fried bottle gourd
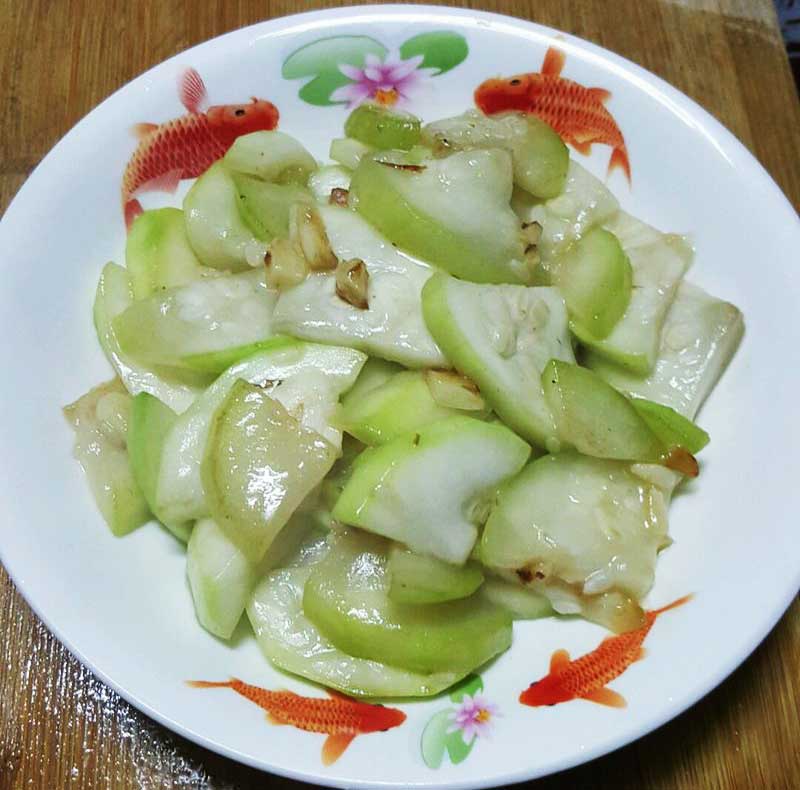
x=394, y=402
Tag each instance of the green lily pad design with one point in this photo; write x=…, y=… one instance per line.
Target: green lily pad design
x=321, y=60
x=436, y=741
x=457, y=749
x=434, y=738
x=441, y=50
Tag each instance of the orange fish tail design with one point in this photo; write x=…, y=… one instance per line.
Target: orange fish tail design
x=213, y=684
x=575, y=112
x=674, y=605
x=340, y=717
x=619, y=158
x=586, y=677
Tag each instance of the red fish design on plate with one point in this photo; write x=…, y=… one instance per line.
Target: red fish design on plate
x=339, y=717
x=576, y=113
x=187, y=146
x=586, y=677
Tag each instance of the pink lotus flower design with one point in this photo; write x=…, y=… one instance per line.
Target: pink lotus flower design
x=389, y=82
x=473, y=717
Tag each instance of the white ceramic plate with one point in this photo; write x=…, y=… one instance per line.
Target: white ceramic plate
x=122, y=605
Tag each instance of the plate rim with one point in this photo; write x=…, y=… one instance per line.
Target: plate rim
x=680, y=104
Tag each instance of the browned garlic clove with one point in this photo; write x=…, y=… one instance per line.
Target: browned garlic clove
x=531, y=233
x=339, y=197
x=681, y=460
x=307, y=230
x=285, y=264
x=454, y=391
x=352, y=283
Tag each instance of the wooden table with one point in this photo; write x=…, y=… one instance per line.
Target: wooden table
x=59, y=726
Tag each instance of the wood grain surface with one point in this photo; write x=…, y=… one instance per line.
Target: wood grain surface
x=59, y=726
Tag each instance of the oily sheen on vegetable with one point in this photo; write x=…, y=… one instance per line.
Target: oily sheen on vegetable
x=390, y=404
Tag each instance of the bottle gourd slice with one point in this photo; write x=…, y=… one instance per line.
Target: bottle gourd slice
x=383, y=128
x=402, y=404
x=539, y=157
x=114, y=296
x=158, y=255
x=585, y=522
x=584, y=203
x=524, y=604
x=219, y=236
x=501, y=337
x=150, y=423
x=594, y=418
x=222, y=579
x=428, y=489
x=672, y=428
x=259, y=465
x=700, y=335
x=206, y=325
x=270, y=156
x=346, y=597
x=420, y=579
x=100, y=419
x=349, y=152
x=657, y=267
x=453, y=213
x=307, y=379
x=595, y=278
x=292, y=642
x=265, y=207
